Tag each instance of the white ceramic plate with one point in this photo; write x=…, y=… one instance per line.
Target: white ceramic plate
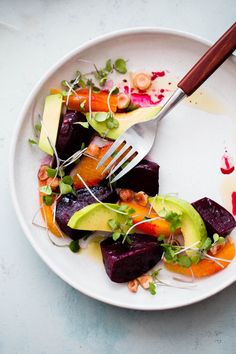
x=189, y=146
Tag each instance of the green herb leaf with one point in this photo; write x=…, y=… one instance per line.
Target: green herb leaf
x=206, y=244
x=152, y=288
x=115, y=91
x=131, y=211
x=65, y=188
x=82, y=105
x=74, y=246
x=96, y=89
x=51, y=172
x=32, y=142
x=155, y=273
x=123, y=207
x=100, y=117
x=216, y=237
x=82, y=146
x=173, y=218
x=129, y=222
x=161, y=237
x=120, y=66
x=38, y=127
x=102, y=81
x=185, y=261
x=108, y=66
x=113, y=224
x=109, y=124
x=116, y=123
x=132, y=107
x=47, y=199
x=46, y=190
x=116, y=235
x=67, y=180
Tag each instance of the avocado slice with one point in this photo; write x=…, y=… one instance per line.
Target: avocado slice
x=125, y=120
x=51, y=120
x=192, y=225
x=95, y=217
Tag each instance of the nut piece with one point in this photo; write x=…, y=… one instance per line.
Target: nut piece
x=133, y=285
x=42, y=173
x=141, y=198
x=144, y=281
x=53, y=183
x=126, y=195
x=215, y=249
x=142, y=81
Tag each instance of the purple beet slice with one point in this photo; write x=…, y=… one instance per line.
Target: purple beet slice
x=217, y=219
x=124, y=262
x=72, y=135
x=68, y=204
x=143, y=177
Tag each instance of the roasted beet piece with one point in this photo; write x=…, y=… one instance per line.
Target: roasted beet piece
x=71, y=135
x=68, y=204
x=124, y=262
x=217, y=219
x=143, y=177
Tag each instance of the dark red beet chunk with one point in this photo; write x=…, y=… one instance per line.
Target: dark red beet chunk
x=124, y=262
x=68, y=204
x=71, y=136
x=143, y=177
x=217, y=219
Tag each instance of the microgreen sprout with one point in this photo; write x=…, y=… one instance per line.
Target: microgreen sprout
x=46, y=190
x=32, y=142
x=152, y=288
x=120, y=66
x=51, y=172
x=47, y=199
x=74, y=246
x=173, y=218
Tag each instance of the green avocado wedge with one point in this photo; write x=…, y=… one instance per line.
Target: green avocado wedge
x=192, y=225
x=95, y=217
x=126, y=120
x=51, y=121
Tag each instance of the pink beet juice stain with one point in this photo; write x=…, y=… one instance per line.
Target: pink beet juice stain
x=233, y=198
x=156, y=74
x=227, y=166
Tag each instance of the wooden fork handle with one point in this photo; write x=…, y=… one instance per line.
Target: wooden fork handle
x=210, y=61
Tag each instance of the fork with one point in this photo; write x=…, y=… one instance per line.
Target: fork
x=132, y=146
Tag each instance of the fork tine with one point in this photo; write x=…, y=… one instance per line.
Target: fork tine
x=127, y=168
x=116, y=157
x=110, y=151
x=125, y=158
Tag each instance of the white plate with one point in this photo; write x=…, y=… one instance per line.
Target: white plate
x=189, y=146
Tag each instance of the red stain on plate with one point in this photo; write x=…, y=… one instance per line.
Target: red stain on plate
x=156, y=74
x=227, y=165
x=233, y=197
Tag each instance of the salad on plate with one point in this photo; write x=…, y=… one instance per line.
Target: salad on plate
x=141, y=232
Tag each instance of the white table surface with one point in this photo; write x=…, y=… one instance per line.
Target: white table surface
x=39, y=313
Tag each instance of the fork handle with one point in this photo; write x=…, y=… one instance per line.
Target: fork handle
x=209, y=62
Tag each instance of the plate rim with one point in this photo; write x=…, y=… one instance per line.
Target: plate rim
x=13, y=146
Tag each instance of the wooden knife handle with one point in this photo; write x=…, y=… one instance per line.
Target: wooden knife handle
x=210, y=61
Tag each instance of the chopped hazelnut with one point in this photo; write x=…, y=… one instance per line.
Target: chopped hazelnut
x=42, y=173
x=53, y=182
x=126, y=195
x=141, y=198
x=133, y=285
x=144, y=281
